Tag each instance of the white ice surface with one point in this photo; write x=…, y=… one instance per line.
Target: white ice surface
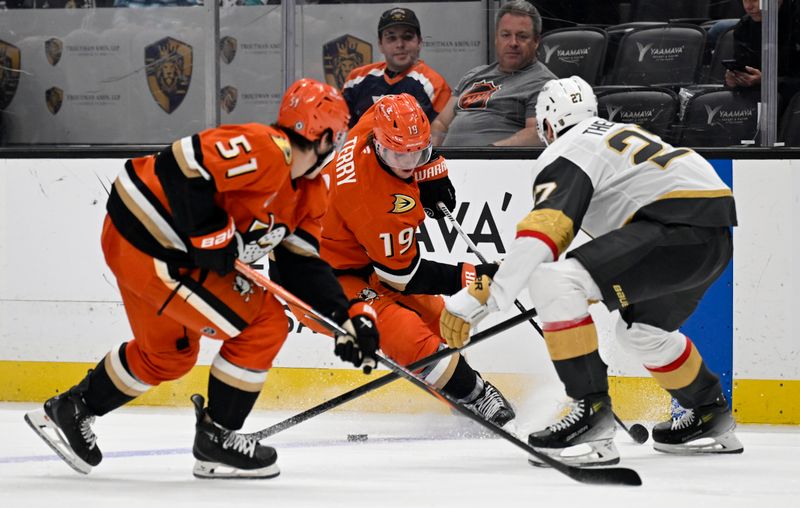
x=429, y=460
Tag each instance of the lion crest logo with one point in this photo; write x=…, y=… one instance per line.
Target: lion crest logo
x=54, y=97
x=53, y=48
x=342, y=55
x=227, y=48
x=169, y=71
x=9, y=72
x=228, y=97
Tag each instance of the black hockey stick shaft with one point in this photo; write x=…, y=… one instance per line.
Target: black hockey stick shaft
x=386, y=379
x=598, y=476
x=474, y=249
x=639, y=435
x=616, y=475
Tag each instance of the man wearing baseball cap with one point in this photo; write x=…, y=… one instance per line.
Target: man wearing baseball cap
x=400, y=41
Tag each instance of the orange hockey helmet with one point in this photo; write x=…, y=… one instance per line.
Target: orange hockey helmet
x=310, y=107
x=402, y=132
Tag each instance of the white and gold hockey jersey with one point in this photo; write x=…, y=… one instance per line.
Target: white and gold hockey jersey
x=602, y=175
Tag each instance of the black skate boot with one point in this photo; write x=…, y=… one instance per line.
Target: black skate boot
x=492, y=406
x=65, y=425
x=704, y=429
x=223, y=453
x=589, y=422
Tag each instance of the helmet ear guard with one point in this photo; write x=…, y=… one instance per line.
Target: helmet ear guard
x=564, y=103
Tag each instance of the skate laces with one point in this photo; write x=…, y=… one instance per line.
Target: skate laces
x=490, y=403
x=576, y=410
x=85, y=426
x=681, y=417
x=239, y=443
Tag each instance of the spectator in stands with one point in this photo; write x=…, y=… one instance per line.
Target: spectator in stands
x=400, y=41
x=747, y=48
x=495, y=104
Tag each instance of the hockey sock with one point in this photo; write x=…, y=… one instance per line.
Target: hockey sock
x=99, y=392
x=705, y=389
x=573, y=348
x=229, y=406
x=464, y=384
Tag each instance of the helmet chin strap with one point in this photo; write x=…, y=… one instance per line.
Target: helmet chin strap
x=322, y=160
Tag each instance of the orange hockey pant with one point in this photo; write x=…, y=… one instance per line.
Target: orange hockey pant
x=250, y=322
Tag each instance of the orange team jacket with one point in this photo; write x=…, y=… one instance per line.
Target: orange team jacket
x=241, y=171
x=372, y=218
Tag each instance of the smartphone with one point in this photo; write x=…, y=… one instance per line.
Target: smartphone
x=733, y=65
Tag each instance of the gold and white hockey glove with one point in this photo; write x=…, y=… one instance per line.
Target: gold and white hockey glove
x=464, y=309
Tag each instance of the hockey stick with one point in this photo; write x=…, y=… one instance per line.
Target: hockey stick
x=386, y=379
x=637, y=431
x=613, y=475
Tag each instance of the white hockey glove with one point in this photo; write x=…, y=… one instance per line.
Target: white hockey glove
x=464, y=309
x=259, y=241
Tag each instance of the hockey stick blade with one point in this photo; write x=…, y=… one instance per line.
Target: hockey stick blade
x=595, y=476
x=388, y=378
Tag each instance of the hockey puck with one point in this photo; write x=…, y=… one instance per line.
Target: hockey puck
x=357, y=437
x=639, y=433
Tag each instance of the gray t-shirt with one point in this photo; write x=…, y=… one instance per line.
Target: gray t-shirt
x=492, y=105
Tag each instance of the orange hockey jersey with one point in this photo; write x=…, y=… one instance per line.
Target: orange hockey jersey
x=198, y=183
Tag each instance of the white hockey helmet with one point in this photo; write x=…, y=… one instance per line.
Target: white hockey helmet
x=564, y=103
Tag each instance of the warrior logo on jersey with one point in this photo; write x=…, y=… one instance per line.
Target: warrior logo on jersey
x=228, y=97
x=478, y=95
x=403, y=203
x=9, y=72
x=227, y=48
x=342, y=55
x=169, y=71
x=52, y=49
x=54, y=97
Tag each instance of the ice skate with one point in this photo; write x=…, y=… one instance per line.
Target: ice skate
x=65, y=425
x=223, y=453
x=705, y=429
x=583, y=437
x=493, y=407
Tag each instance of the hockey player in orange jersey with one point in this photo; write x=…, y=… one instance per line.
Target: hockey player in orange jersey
x=177, y=221
x=380, y=182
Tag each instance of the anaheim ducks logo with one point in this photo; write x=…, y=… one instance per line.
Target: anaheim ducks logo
x=286, y=147
x=367, y=295
x=228, y=97
x=9, y=72
x=403, y=203
x=169, y=71
x=54, y=97
x=478, y=95
x=227, y=48
x=53, y=48
x=342, y=55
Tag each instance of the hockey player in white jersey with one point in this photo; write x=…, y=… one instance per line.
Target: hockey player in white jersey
x=660, y=221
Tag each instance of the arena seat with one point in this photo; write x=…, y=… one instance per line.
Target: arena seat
x=658, y=55
x=720, y=117
x=653, y=108
x=577, y=51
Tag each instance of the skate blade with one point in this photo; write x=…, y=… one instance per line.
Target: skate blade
x=596, y=453
x=726, y=443
x=215, y=470
x=48, y=431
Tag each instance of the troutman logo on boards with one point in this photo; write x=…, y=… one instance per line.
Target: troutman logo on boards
x=227, y=48
x=53, y=48
x=228, y=97
x=54, y=97
x=169, y=71
x=342, y=55
x=10, y=59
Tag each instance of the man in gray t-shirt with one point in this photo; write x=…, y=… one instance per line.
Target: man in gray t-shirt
x=495, y=104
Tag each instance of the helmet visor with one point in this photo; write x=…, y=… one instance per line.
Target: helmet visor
x=403, y=160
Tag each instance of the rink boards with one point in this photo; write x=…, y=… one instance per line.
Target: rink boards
x=60, y=311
